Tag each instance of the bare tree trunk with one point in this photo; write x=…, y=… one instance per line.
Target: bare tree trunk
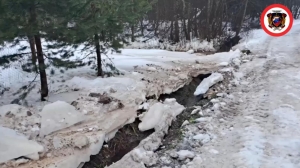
x=33, y=52
x=142, y=27
x=156, y=26
x=176, y=31
x=189, y=27
x=186, y=33
x=42, y=67
x=242, y=19
x=208, y=26
x=132, y=33
x=171, y=32
x=98, y=52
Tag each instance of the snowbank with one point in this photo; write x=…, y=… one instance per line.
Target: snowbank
x=218, y=58
x=196, y=45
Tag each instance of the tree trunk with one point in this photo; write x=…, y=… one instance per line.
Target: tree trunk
x=33, y=52
x=42, y=67
x=242, y=19
x=171, y=32
x=142, y=27
x=186, y=33
x=156, y=26
x=98, y=52
x=132, y=33
x=189, y=27
x=208, y=24
x=176, y=31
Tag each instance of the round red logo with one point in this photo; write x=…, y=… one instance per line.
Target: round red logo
x=276, y=20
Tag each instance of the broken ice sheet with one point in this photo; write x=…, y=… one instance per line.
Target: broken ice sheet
x=207, y=83
x=57, y=116
x=14, y=145
x=154, y=117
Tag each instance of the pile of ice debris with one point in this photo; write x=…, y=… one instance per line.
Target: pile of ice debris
x=64, y=135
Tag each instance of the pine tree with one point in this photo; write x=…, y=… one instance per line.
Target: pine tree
x=138, y=9
x=98, y=24
x=23, y=19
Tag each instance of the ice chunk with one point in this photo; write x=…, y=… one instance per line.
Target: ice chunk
x=152, y=69
x=186, y=122
x=57, y=116
x=196, y=163
x=213, y=151
x=158, y=113
x=204, y=138
x=184, y=154
x=191, y=51
x=14, y=145
x=207, y=83
x=223, y=64
x=152, y=117
x=204, y=119
x=147, y=157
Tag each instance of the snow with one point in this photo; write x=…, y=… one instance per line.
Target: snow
x=196, y=45
x=149, y=158
x=204, y=138
x=259, y=130
x=77, y=131
x=185, y=154
x=78, y=138
x=224, y=64
x=13, y=109
x=218, y=58
x=144, y=152
x=153, y=117
x=196, y=163
x=191, y=51
x=265, y=131
x=14, y=145
x=207, y=83
x=185, y=123
x=57, y=116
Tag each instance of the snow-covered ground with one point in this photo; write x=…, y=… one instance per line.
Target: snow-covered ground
x=195, y=44
x=63, y=135
x=261, y=129
x=253, y=125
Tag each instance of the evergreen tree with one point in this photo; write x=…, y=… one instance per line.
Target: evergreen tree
x=137, y=12
x=23, y=19
x=98, y=24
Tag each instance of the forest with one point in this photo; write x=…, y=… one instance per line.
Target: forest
x=108, y=25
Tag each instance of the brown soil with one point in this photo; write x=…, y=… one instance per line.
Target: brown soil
x=125, y=140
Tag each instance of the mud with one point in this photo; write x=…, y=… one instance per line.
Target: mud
x=184, y=96
x=126, y=139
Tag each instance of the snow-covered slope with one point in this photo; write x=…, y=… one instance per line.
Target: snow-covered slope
x=107, y=104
